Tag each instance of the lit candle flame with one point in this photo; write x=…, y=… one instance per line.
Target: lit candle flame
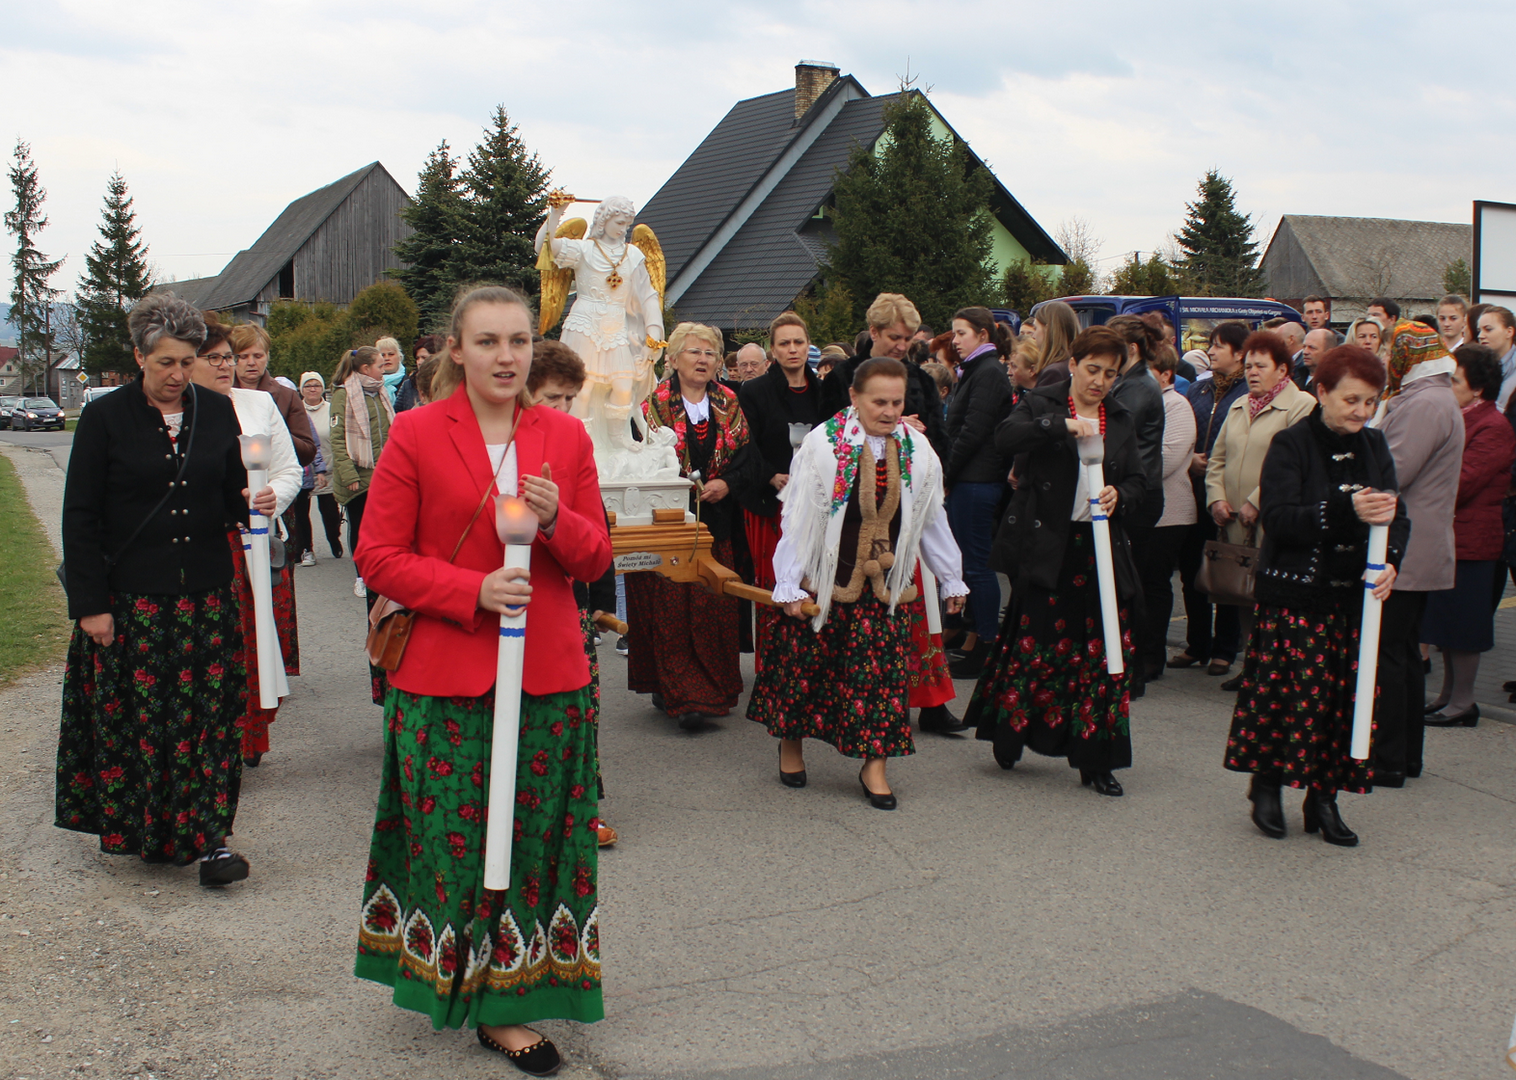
x=257, y=451
x=515, y=521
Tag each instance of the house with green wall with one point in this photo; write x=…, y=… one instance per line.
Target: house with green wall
x=743, y=222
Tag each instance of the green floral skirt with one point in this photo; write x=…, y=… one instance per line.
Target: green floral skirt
x=450, y=949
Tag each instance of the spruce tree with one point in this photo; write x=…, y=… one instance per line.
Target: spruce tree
x=31, y=296
x=116, y=277
x=1219, y=255
x=1138, y=278
x=431, y=254
x=913, y=218
x=505, y=197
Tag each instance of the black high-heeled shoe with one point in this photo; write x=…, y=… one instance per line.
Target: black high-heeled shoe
x=1467, y=718
x=1268, y=807
x=1103, y=783
x=1321, y=815
x=790, y=779
x=877, y=801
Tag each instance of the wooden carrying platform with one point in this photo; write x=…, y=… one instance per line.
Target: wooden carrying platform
x=680, y=550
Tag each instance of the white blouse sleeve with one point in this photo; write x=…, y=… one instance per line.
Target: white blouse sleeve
x=940, y=553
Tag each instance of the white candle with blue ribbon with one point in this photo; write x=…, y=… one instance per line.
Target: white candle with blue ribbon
x=516, y=525
x=257, y=455
x=1368, y=644
x=1092, y=461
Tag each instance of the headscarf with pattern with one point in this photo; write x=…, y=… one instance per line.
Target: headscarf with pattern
x=665, y=409
x=1411, y=343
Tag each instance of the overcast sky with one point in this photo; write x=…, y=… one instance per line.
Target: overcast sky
x=219, y=115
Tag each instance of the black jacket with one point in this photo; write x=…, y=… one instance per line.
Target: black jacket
x=978, y=405
x=771, y=407
x=1139, y=393
x=1314, y=544
x=921, y=397
x=121, y=464
x=1035, y=533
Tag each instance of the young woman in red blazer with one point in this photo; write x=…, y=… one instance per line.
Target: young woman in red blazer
x=429, y=929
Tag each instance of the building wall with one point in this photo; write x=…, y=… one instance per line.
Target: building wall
x=1286, y=269
x=354, y=246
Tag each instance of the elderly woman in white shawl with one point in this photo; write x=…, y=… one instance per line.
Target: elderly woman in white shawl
x=864, y=500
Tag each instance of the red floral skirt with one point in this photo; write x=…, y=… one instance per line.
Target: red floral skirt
x=1045, y=685
x=1294, y=714
x=255, y=720
x=845, y=685
x=926, y=665
x=683, y=642
x=762, y=539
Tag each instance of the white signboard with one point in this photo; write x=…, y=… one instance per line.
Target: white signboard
x=1494, y=269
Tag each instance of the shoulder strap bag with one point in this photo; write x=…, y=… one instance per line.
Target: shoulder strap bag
x=1227, y=571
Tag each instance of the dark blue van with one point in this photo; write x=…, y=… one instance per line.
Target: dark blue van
x=1194, y=317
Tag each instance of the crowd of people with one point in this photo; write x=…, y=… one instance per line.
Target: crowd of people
x=880, y=489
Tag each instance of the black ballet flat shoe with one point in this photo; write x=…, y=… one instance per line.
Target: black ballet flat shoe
x=1433, y=707
x=658, y=702
x=1233, y=684
x=1321, y=815
x=790, y=779
x=539, y=1059
x=1268, y=808
x=1509, y=686
x=1468, y=718
x=1413, y=770
x=222, y=868
x=252, y=761
x=878, y=802
x=692, y=721
x=938, y=720
x=1006, y=755
x=1103, y=783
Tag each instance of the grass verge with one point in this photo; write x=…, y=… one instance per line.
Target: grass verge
x=35, y=629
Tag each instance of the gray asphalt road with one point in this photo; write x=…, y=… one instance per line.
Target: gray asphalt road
x=997, y=925
x=56, y=443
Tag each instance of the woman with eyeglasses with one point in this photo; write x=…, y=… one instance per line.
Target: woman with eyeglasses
x=684, y=640
x=257, y=413
x=148, y=744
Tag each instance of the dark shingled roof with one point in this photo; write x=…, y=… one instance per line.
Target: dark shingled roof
x=1366, y=257
x=248, y=272
x=774, y=253
x=189, y=290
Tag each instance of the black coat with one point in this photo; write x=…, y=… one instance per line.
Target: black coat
x=121, y=464
x=1035, y=533
x=771, y=407
x=1313, y=540
x=980, y=402
x=1139, y=393
x=922, y=399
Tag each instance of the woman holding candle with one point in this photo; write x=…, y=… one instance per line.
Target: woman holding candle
x=257, y=412
x=1045, y=684
x=863, y=501
x=683, y=639
x=148, y=748
x=1324, y=482
x=429, y=929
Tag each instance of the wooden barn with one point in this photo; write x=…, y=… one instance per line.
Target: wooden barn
x=1352, y=260
x=329, y=245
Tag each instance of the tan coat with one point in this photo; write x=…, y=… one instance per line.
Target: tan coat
x=1237, y=460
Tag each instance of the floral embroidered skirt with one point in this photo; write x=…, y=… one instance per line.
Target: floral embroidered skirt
x=449, y=949
x=255, y=719
x=683, y=642
x=148, y=751
x=762, y=539
x=925, y=660
x=846, y=685
x=1045, y=685
x=1294, y=714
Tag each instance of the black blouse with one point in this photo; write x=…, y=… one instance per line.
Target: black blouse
x=122, y=462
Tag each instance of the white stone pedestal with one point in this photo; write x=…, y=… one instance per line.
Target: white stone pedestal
x=633, y=501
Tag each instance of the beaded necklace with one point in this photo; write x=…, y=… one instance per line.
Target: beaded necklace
x=1074, y=413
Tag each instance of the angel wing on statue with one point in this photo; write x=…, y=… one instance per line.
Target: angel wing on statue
x=616, y=323
x=556, y=283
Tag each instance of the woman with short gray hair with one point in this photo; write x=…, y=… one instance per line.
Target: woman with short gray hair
x=149, y=752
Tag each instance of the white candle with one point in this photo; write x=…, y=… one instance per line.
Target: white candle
x=257, y=452
x=929, y=594
x=1368, y=644
x=516, y=525
x=1091, y=459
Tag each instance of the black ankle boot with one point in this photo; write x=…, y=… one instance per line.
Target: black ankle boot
x=1321, y=813
x=1268, y=809
x=972, y=662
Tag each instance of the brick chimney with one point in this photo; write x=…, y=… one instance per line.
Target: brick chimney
x=812, y=77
